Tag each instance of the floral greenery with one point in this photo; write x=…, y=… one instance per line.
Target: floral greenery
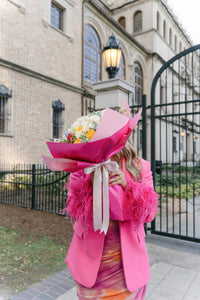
x=177, y=169
x=178, y=185
x=83, y=129
x=56, y=180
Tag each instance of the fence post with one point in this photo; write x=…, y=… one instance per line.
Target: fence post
x=144, y=127
x=33, y=186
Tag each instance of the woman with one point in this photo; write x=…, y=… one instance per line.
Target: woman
x=115, y=265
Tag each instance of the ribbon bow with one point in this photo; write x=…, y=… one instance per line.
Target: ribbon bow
x=97, y=193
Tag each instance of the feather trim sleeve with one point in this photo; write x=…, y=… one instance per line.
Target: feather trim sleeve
x=141, y=202
x=79, y=199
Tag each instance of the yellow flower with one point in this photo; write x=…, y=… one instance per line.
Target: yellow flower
x=76, y=141
x=78, y=128
x=90, y=134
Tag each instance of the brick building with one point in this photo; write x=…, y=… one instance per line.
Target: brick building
x=51, y=53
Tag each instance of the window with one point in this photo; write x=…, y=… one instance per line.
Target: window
x=170, y=36
x=138, y=82
x=194, y=148
x=122, y=68
x=58, y=118
x=175, y=43
x=180, y=47
x=164, y=29
x=137, y=20
x=122, y=22
x=174, y=144
x=5, y=110
x=140, y=137
x=162, y=95
x=158, y=21
x=56, y=16
x=92, y=55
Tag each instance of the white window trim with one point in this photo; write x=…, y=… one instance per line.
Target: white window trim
x=67, y=6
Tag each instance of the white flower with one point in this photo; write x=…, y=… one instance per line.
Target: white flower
x=95, y=118
x=85, y=129
x=91, y=121
x=78, y=134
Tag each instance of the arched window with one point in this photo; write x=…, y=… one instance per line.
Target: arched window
x=122, y=68
x=164, y=29
x=158, y=21
x=137, y=21
x=170, y=37
x=122, y=22
x=92, y=55
x=138, y=82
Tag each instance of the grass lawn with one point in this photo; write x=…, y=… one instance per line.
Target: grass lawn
x=26, y=260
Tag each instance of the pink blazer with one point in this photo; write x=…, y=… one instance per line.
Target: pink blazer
x=133, y=207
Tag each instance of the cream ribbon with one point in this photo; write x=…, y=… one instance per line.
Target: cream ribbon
x=107, y=166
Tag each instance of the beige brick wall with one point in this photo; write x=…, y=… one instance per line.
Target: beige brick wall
x=32, y=116
x=26, y=41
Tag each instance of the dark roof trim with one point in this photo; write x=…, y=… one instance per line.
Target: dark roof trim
x=119, y=7
x=123, y=5
x=99, y=8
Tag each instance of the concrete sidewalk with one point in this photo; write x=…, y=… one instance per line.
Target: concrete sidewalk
x=175, y=274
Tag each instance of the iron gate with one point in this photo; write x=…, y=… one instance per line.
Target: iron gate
x=175, y=145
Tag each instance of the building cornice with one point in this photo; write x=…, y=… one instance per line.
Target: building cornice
x=166, y=7
x=118, y=26
x=172, y=15
x=40, y=76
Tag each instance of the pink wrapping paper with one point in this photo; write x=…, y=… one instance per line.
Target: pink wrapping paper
x=110, y=137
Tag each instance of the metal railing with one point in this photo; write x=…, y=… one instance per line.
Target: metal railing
x=33, y=186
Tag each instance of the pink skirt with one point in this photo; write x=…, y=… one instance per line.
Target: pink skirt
x=110, y=283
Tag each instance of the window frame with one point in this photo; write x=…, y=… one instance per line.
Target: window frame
x=138, y=87
x=89, y=29
x=122, y=68
x=158, y=21
x=175, y=43
x=120, y=21
x=5, y=111
x=62, y=10
x=138, y=24
x=59, y=108
x=170, y=37
x=164, y=29
x=174, y=144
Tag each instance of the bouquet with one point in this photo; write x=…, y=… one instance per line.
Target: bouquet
x=88, y=145
x=83, y=129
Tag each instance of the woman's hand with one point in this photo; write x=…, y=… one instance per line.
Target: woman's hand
x=117, y=178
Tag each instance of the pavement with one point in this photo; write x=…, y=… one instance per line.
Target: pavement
x=175, y=274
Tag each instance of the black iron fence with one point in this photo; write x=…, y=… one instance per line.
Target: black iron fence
x=33, y=186
x=140, y=132
x=175, y=147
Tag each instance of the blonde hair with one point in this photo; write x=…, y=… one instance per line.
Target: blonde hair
x=131, y=159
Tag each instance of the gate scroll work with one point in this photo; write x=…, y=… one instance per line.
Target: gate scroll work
x=175, y=145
